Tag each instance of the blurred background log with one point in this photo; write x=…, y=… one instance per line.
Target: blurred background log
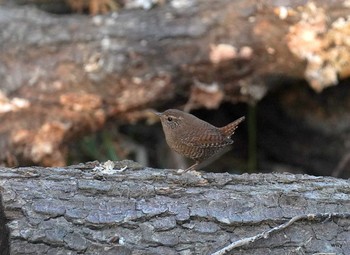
x=67, y=76
x=93, y=209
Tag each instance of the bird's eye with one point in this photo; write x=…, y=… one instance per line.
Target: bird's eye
x=170, y=119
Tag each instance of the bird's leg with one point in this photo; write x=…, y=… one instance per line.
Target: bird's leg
x=192, y=167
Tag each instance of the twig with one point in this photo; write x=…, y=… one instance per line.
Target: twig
x=266, y=234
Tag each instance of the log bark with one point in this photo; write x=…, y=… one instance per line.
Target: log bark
x=97, y=209
x=63, y=77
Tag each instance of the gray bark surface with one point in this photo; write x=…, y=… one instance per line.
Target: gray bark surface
x=77, y=210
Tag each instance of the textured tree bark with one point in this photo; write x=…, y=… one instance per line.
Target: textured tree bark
x=64, y=76
x=95, y=209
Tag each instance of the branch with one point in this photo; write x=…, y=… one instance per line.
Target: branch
x=266, y=234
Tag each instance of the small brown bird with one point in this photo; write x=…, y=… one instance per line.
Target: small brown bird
x=193, y=137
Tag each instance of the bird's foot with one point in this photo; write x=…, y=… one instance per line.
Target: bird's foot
x=191, y=169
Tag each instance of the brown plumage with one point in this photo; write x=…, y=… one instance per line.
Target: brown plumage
x=193, y=137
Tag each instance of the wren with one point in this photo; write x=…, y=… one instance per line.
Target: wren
x=194, y=138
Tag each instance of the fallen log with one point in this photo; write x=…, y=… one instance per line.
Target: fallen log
x=124, y=208
x=65, y=76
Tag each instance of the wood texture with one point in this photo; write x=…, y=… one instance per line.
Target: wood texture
x=65, y=76
x=76, y=210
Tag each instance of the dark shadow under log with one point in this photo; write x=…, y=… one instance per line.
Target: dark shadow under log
x=4, y=232
x=94, y=209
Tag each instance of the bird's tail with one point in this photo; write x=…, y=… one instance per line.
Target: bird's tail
x=229, y=129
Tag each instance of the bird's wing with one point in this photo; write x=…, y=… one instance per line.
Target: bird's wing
x=205, y=139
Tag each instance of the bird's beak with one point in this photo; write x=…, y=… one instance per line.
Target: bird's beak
x=156, y=113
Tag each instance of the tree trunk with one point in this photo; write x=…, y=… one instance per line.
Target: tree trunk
x=95, y=209
x=64, y=76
